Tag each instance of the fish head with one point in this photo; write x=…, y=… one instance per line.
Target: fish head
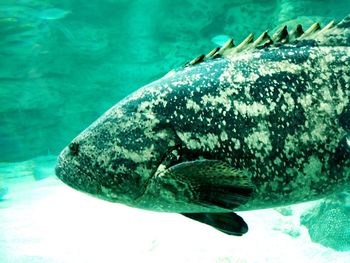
x=117, y=155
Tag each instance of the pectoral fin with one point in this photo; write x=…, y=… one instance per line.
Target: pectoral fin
x=210, y=183
x=228, y=223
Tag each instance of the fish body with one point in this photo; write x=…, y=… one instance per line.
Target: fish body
x=259, y=125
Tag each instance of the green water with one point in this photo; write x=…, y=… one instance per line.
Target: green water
x=62, y=64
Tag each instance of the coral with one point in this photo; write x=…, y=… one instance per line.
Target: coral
x=328, y=222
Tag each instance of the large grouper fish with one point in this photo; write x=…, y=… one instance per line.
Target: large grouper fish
x=258, y=125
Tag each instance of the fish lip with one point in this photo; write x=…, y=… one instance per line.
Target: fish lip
x=65, y=172
x=57, y=170
x=58, y=167
x=60, y=161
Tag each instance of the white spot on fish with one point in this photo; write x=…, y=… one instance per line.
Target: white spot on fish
x=259, y=141
x=252, y=110
x=223, y=136
x=190, y=104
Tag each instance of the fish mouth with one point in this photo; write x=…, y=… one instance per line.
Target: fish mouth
x=59, y=166
x=70, y=172
x=64, y=169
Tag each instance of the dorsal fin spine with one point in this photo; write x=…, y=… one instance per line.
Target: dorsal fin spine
x=229, y=44
x=243, y=45
x=282, y=36
x=197, y=60
x=328, y=26
x=296, y=33
x=262, y=40
x=312, y=29
x=212, y=53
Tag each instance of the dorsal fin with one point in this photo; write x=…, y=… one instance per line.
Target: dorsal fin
x=311, y=30
x=335, y=34
x=262, y=41
x=328, y=26
x=229, y=44
x=212, y=53
x=332, y=34
x=197, y=60
x=242, y=46
x=281, y=36
x=296, y=33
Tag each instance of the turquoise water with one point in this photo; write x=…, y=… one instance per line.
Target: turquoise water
x=62, y=64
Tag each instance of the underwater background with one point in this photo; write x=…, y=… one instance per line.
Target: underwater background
x=64, y=63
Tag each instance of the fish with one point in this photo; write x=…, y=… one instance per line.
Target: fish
x=257, y=125
x=53, y=14
x=220, y=39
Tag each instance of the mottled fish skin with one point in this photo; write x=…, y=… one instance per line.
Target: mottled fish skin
x=280, y=114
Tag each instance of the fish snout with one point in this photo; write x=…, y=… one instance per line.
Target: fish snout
x=74, y=169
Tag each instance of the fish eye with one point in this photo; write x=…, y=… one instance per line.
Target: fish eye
x=74, y=148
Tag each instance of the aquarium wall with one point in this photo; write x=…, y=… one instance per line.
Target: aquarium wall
x=64, y=63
